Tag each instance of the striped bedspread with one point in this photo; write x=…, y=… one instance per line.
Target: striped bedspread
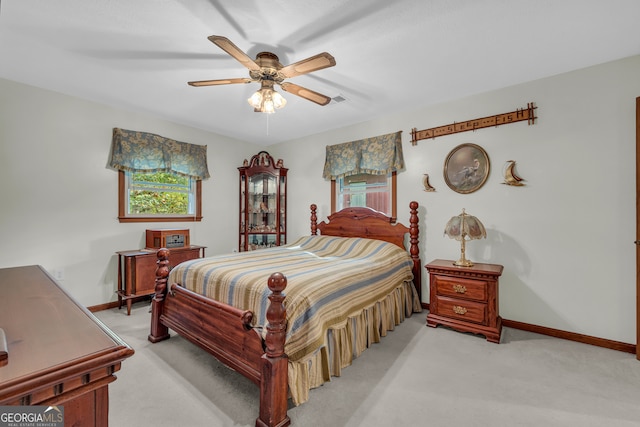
x=328, y=280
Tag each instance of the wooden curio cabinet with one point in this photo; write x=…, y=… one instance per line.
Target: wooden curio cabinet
x=263, y=203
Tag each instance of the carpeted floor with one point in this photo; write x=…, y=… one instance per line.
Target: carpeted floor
x=417, y=376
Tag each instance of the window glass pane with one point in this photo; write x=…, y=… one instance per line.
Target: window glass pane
x=357, y=192
x=373, y=191
x=159, y=193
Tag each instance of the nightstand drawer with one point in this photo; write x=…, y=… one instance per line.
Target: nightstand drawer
x=461, y=288
x=468, y=311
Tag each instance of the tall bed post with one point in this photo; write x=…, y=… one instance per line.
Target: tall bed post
x=414, y=250
x=159, y=331
x=273, y=384
x=314, y=220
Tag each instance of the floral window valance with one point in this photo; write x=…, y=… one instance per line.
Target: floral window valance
x=379, y=155
x=145, y=152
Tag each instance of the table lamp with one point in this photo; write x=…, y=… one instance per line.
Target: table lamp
x=464, y=227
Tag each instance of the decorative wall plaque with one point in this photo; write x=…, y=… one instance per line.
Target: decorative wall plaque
x=519, y=115
x=466, y=168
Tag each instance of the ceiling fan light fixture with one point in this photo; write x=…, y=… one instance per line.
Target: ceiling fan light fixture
x=278, y=100
x=256, y=100
x=267, y=70
x=267, y=106
x=267, y=100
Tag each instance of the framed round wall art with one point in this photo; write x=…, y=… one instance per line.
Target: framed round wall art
x=466, y=168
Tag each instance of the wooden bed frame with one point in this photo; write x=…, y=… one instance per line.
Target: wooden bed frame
x=225, y=331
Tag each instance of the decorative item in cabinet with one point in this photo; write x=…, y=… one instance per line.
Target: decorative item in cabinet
x=465, y=298
x=263, y=203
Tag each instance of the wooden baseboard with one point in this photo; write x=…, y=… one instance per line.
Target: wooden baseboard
x=571, y=336
x=114, y=304
x=565, y=335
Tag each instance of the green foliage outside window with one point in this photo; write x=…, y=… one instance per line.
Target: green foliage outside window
x=159, y=193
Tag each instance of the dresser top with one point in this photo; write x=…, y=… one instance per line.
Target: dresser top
x=47, y=331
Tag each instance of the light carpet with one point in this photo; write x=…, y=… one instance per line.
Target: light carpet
x=417, y=376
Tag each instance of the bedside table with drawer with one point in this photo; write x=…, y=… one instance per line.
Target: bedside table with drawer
x=137, y=270
x=465, y=298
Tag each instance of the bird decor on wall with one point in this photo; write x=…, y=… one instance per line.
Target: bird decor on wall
x=510, y=176
x=425, y=183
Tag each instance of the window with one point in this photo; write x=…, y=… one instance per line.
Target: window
x=159, y=179
x=158, y=197
x=373, y=191
x=363, y=172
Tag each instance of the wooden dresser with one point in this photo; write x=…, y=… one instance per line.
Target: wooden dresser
x=465, y=298
x=59, y=354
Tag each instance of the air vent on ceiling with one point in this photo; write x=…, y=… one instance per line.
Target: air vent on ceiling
x=338, y=99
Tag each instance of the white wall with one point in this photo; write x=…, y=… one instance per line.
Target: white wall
x=566, y=238
x=59, y=201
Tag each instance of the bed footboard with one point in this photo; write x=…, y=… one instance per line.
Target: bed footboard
x=226, y=333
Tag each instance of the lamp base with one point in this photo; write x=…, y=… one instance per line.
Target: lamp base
x=463, y=262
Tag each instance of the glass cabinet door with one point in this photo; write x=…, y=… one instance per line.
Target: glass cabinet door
x=262, y=203
x=282, y=210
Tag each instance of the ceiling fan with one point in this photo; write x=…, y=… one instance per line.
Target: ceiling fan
x=268, y=71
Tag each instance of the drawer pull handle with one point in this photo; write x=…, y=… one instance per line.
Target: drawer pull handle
x=459, y=288
x=459, y=310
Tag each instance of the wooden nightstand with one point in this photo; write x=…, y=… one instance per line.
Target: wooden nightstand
x=137, y=270
x=465, y=298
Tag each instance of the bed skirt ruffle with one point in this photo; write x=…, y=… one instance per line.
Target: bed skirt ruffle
x=346, y=341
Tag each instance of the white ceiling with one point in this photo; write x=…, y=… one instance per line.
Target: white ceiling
x=391, y=55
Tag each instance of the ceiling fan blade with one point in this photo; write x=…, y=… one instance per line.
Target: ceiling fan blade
x=314, y=63
x=220, y=82
x=305, y=93
x=233, y=50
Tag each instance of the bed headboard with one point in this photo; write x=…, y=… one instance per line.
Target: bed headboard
x=371, y=224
